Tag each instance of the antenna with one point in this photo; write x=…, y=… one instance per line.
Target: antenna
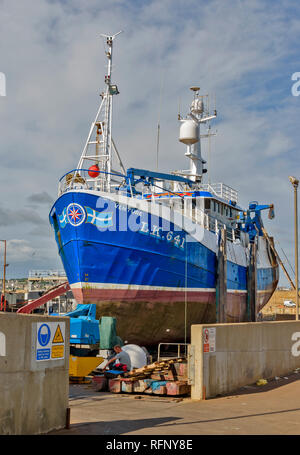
x=104, y=145
x=158, y=124
x=209, y=153
x=189, y=133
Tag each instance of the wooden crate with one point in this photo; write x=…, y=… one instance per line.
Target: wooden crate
x=161, y=390
x=139, y=386
x=114, y=385
x=100, y=383
x=181, y=370
x=171, y=375
x=157, y=377
x=126, y=386
x=178, y=388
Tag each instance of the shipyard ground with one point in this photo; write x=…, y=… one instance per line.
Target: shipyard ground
x=273, y=409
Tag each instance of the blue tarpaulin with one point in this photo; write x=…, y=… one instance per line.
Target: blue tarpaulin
x=114, y=371
x=154, y=385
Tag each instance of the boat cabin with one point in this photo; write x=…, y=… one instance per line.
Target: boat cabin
x=212, y=205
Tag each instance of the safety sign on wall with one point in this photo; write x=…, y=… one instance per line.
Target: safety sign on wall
x=2, y=345
x=50, y=341
x=209, y=339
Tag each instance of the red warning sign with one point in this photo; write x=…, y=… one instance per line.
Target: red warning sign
x=205, y=340
x=209, y=339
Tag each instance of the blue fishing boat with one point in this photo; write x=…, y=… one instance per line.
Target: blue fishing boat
x=160, y=251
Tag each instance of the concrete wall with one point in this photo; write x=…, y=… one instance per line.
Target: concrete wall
x=34, y=379
x=234, y=355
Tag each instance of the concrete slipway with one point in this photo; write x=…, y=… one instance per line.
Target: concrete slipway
x=224, y=360
x=273, y=409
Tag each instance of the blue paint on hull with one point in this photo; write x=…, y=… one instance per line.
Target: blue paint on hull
x=95, y=252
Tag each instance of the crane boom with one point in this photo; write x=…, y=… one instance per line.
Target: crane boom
x=49, y=295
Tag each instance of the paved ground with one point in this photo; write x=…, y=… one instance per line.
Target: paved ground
x=273, y=409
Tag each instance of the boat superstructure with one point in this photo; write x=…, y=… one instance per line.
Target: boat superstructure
x=145, y=246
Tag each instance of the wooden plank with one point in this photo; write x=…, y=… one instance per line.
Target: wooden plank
x=139, y=386
x=114, y=385
x=100, y=383
x=126, y=386
x=157, y=377
x=181, y=370
x=159, y=389
x=175, y=388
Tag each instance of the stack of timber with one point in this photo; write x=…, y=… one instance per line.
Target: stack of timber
x=166, y=377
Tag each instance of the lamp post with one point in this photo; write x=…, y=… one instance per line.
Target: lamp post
x=3, y=302
x=295, y=183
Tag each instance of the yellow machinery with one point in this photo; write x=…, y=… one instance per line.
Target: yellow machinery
x=81, y=367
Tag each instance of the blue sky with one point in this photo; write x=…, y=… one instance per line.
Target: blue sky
x=243, y=52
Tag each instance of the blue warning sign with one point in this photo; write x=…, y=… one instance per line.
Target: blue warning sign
x=43, y=339
x=44, y=334
x=43, y=354
x=50, y=340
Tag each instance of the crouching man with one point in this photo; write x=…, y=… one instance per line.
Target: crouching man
x=121, y=360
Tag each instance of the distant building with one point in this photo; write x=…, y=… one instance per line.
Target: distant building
x=20, y=292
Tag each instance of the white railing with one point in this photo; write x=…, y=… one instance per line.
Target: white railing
x=183, y=205
x=198, y=216
x=79, y=179
x=179, y=353
x=221, y=190
x=213, y=224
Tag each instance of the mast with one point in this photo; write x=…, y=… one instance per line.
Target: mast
x=101, y=155
x=190, y=134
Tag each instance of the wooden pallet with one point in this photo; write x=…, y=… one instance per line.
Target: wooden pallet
x=169, y=369
x=168, y=377
x=173, y=388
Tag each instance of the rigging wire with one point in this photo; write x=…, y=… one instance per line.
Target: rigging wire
x=185, y=298
x=159, y=112
x=286, y=258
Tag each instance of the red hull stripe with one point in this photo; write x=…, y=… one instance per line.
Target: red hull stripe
x=97, y=295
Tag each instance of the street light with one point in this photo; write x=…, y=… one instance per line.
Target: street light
x=3, y=301
x=295, y=183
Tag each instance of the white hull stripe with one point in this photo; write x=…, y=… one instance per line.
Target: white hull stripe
x=113, y=286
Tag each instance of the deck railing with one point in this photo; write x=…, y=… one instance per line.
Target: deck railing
x=80, y=179
x=221, y=190
x=199, y=216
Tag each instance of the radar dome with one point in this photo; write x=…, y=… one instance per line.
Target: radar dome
x=189, y=133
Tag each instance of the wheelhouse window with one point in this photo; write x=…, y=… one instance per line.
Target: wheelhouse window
x=207, y=204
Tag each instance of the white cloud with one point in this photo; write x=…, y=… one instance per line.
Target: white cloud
x=19, y=250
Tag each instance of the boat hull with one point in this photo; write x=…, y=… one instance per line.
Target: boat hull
x=151, y=317
x=156, y=279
